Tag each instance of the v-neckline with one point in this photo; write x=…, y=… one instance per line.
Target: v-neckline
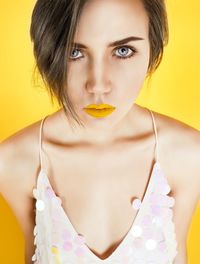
x=128, y=233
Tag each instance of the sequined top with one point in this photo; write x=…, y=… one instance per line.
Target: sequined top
x=151, y=238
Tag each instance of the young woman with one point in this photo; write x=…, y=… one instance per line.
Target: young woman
x=102, y=180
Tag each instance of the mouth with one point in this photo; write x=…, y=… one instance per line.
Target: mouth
x=98, y=111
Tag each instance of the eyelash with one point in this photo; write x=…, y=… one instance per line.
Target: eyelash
x=134, y=51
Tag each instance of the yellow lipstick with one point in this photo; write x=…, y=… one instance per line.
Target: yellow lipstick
x=98, y=111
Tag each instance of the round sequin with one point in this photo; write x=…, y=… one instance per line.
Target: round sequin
x=35, y=230
x=138, y=242
x=54, y=249
x=154, y=198
x=150, y=244
x=35, y=240
x=79, y=251
x=163, y=188
x=126, y=250
x=171, y=202
x=167, y=213
x=36, y=193
x=136, y=204
x=34, y=257
x=57, y=200
x=49, y=192
x=40, y=205
x=80, y=240
x=136, y=231
x=148, y=232
x=156, y=209
x=67, y=246
x=162, y=246
x=66, y=235
x=56, y=214
x=147, y=220
x=157, y=221
x=159, y=236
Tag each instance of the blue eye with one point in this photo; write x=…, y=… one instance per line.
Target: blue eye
x=73, y=53
x=122, y=54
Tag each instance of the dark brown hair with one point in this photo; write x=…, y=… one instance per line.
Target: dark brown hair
x=52, y=30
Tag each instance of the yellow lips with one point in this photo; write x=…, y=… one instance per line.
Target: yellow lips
x=101, y=110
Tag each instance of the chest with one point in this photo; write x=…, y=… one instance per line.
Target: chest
x=97, y=195
x=44, y=183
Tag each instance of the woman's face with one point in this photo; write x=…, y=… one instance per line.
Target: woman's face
x=104, y=73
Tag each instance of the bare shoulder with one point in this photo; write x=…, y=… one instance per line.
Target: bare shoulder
x=19, y=161
x=179, y=152
x=15, y=154
x=179, y=145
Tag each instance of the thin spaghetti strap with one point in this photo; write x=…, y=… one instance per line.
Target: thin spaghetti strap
x=156, y=135
x=40, y=143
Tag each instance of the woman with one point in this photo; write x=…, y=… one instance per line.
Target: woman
x=115, y=187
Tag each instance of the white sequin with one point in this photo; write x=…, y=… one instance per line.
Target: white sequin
x=35, y=193
x=166, y=189
x=136, y=204
x=172, y=201
x=34, y=257
x=35, y=230
x=157, y=221
x=35, y=240
x=151, y=244
x=136, y=231
x=40, y=205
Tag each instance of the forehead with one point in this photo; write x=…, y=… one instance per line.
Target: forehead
x=102, y=20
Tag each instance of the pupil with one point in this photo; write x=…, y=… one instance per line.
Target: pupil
x=123, y=51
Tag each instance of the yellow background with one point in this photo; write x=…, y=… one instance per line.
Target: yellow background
x=174, y=91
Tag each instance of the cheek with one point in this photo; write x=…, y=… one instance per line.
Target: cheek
x=130, y=80
x=74, y=84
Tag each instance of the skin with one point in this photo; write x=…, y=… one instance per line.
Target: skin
x=109, y=151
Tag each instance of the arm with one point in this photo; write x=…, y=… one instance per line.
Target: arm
x=182, y=256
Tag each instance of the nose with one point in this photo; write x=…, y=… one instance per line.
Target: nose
x=98, y=81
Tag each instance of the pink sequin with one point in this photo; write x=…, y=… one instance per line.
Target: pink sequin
x=158, y=221
x=49, y=192
x=162, y=246
x=66, y=234
x=148, y=232
x=138, y=242
x=146, y=220
x=67, y=246
x=164, y=200
x=156, y=210
x=154, y=198
x=79, y=251
x=79, y=240
x=124, y=249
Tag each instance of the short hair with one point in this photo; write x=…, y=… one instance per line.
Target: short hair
x=52, y=30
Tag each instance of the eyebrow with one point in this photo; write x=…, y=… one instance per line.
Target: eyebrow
x=112, y=44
